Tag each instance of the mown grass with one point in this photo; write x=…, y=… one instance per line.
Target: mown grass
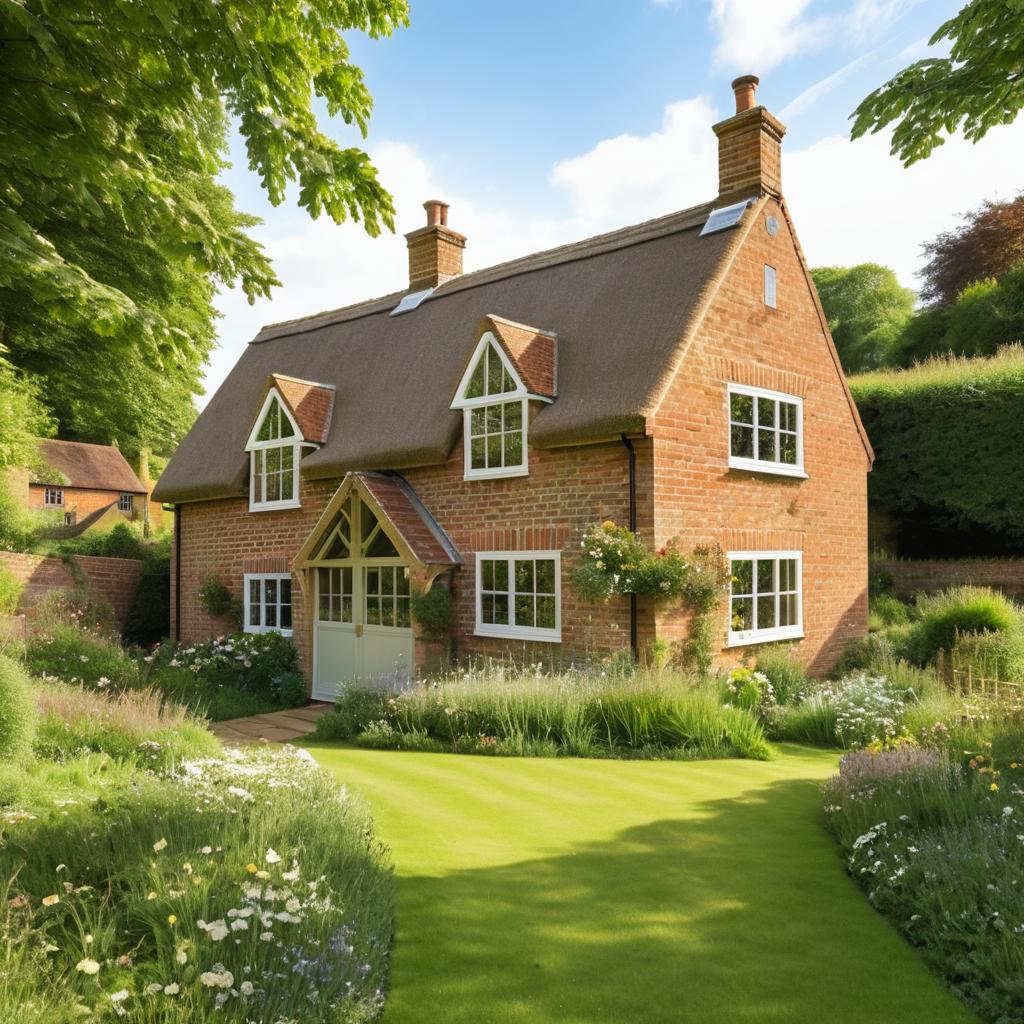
x=575, y=891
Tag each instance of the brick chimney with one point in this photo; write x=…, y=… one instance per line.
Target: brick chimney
x=435, y=251
x=749, y=148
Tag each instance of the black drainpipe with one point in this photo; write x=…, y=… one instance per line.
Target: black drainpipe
x=178, y=509
x=633, y=644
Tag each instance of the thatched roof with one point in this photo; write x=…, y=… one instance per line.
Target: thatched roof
x=619, y=305
x=97, y=467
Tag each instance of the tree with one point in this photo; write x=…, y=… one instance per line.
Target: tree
x=867, y=310
x=987, y=245
x=114, y=232
x=978, y=86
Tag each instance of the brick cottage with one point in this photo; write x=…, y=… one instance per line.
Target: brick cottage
x=465, y=431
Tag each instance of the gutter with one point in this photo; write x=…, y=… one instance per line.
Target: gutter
x=631, y=450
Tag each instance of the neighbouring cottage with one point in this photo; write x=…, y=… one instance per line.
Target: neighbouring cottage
x=466, y=431
x=88, y=487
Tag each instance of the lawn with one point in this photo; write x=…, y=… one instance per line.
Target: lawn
x=581, y=891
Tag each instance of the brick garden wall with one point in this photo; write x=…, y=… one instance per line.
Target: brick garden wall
x=113, y=580
x=927, y=576
x=700, y=500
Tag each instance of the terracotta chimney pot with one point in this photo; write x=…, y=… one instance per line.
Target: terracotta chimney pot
x=745, y=89
x=435, y=251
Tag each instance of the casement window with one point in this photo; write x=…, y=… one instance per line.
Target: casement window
x=765, y=597
x=275, y=448
x=53, y=497
x=518, y=595
x=770, y=297
x=125, y=502
x=765, y=431
x=495, y=409
x=268, y=603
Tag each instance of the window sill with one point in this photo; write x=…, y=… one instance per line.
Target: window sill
x=273, y=506
x=504, y=474
x=549, y=636
x=764, y=636
x=753, y=466
x=266, y=629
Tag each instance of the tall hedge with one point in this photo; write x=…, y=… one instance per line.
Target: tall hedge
x=949, y=439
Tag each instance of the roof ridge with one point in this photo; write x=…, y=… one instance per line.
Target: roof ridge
x=594, y=245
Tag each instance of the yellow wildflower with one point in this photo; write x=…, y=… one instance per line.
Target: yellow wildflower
x=171, y=919
x=993, y=787
x=251, y=868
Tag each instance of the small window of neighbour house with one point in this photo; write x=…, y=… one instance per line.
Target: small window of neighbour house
x=769, y=287
x=495, y=411
x=53, y=497
x=518, y=595
x=69, y=518
x=275, y=450
x=765, y=431
x=268, y=603
x=766, y=596
x=125, y=503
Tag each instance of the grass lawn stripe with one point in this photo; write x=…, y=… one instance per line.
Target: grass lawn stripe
x=583, y=892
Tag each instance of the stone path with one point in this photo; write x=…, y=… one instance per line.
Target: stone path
x=275, y=727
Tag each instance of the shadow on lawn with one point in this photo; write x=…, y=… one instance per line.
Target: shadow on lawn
x=741, y=914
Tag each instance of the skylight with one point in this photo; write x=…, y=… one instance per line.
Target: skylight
x=726, y=217
x=411, y=301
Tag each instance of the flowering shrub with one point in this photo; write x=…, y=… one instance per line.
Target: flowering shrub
x=751, y=690
x=241, y=887
x=866, y=710
x=939, y=848
x=80, y=655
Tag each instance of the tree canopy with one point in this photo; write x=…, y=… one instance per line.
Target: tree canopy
x=867, y=310
x=987, y=245
x=114, y=232
x=978, y=86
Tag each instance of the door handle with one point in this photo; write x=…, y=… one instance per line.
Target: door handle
x=359, y=630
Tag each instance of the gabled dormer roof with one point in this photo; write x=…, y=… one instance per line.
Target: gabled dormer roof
x=531, y=351
x=310, y=404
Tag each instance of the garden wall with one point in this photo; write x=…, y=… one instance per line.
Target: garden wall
x=930, y=575
x=113, y=580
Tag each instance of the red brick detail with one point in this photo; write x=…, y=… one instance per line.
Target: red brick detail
x=928, y=576
x=435, y=256
x=749, y=155
x=277, y=563
x=310, y=404
x=83, y=502
x=113, y=580
x=531, y=351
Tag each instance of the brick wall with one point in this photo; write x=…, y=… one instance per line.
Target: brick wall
x=113, y=580
x=700, y=500
x=82, y=501
x=927, y=576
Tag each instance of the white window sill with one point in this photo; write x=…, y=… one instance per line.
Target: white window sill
x=266, y=629
x=764, y=636
x=273, y=506
x=551, y=636
x=502, y=474
x=772, y=468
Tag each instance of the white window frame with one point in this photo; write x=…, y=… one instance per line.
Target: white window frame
x=512, y=631
x=247, y=578
x=256, y=448
x=519, y=394
x=56, y=493
x=764, y=465
x=126, y=502
x=743, y=637
x=771, y=287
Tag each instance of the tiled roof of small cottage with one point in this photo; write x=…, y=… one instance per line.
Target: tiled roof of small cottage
x=618, y=304
x=97, y=467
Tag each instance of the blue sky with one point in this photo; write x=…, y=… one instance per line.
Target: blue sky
x=545, y=122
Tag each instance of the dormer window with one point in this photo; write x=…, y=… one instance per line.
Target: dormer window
x=274, y=451
x=494, y=404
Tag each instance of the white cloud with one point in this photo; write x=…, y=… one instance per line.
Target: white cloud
x=755, y=36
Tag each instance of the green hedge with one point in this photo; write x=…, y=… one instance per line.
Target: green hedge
x=948, y=436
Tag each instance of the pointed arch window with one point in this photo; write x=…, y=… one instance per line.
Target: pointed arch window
x=495, y=414
x=275, y=447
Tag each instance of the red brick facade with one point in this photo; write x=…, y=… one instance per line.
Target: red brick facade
x=83, y=502
x=684, y=487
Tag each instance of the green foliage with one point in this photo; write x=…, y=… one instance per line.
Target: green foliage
x=216, y=599
x=23, y=418
x=977, y=86
x=76, y=655
x=161, y=867
x=10, y=592
x=962, y=413
x=17, y=526
x=786, y=673
x=114, y=229
x=432, y=611
x=944, y=617
x=889, y=610
x=17, y=712
x=499, y=710
x=867, y=309
x=148, y=620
